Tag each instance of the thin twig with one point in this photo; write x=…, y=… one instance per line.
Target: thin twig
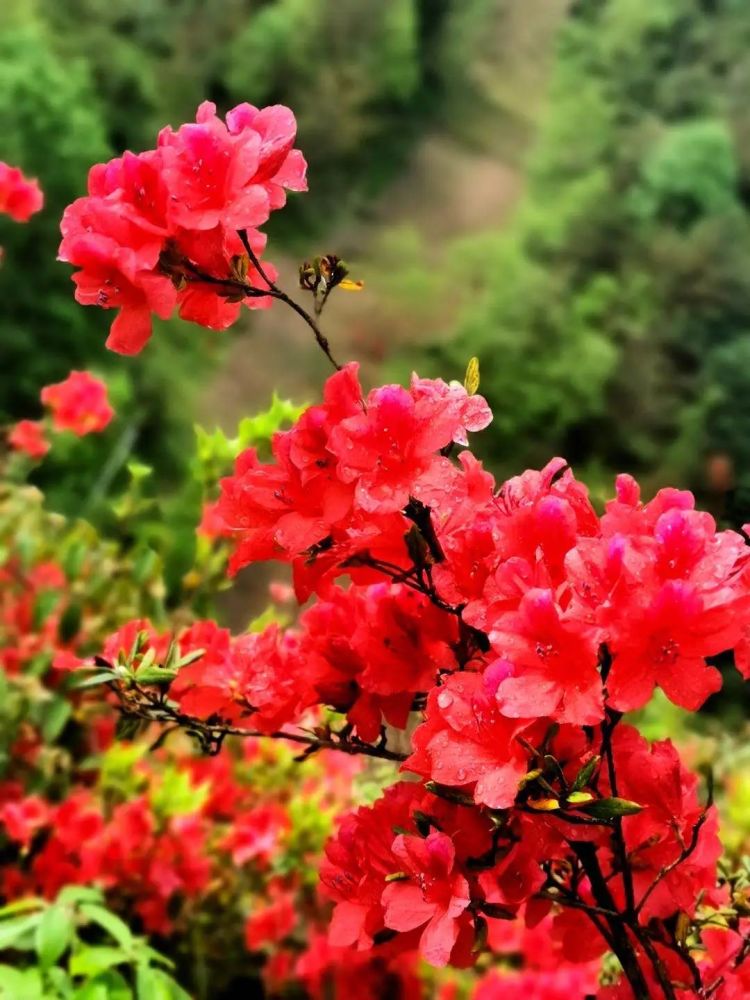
x=658, y=966
x=277, y=293
x=163, y=712
x=683, y=856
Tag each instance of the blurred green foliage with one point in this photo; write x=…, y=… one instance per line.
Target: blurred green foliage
x=74, y=948
x=612, y=318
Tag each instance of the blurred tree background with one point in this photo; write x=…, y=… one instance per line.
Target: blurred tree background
x=610, y=309
x=612, y=316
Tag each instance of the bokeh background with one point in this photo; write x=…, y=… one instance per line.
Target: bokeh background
x=560, y=188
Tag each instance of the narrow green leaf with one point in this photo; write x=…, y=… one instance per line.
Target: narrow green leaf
x=110, y=922
x=611, y=808
x=70, y=622
x=585, y=774
x=102, y=677
x=79, y=894
x=53, y=933
x=14, y=929
x=21, y=905
x=155, y=675
x=54, y=718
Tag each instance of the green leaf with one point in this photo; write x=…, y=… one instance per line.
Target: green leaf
x=17, y=985
x=45, y=604
x=94, y=989
x=128, y=726
x=145, y=983
x=60, y=980
x=174, y=990
x=110, y=922
x=74, y=558
x=93, y=959
x=53, y=934
x=611, y=808
x=585, y=774
x=101, y=677
x=138, y=471
x=155, y=957
x=145, y=565
x=154, y=984
x=20, y=906
x=155, y=675
x=108, y=985
x=54, y=718
x=79, y=894
x=176, y=795
x=14, y=929
x=190, y=657
x=70, y=623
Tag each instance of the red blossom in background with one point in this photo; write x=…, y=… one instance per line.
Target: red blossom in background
x=78, y=404
x=27, y=436
x=20, y=197
x=272, y=923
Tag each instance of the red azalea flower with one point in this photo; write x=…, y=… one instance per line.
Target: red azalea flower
x=358, y=861
x=466, y=741
x=270, y=924
x=78, y=404
x=552, y=663
x=435, y=896
x=28, y=437
x=20, y=197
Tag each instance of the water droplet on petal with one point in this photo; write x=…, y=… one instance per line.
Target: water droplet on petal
x=445, y=699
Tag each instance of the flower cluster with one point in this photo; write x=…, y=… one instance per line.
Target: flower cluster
x=521, y=624
x=78, y=404
x=20, y=197
x=32, y=606
x=27, y=437
x=344, y=474
x=177, y=225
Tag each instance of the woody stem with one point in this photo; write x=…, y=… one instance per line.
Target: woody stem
x=618, y=934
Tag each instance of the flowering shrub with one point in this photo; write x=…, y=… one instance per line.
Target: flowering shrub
x=79, y=404
x=485, y=639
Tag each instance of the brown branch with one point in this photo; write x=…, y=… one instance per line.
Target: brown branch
x=575, y=903
x=621, y=943
x=213, y=735
x=658, y=966
x=608, y=727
